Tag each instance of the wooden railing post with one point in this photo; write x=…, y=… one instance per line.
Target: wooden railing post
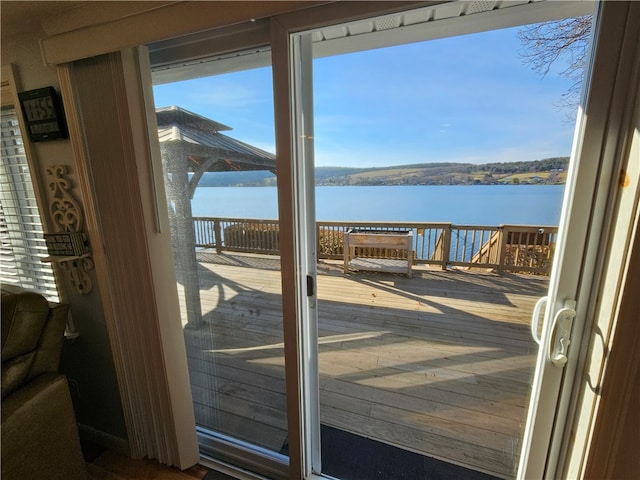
x=446, y=246
x=217, y=233
x=502, y=248
x=346, y=249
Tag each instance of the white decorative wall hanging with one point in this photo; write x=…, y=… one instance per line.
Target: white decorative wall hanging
x=67, y=216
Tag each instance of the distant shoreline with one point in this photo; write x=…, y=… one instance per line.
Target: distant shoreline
x=550, y=171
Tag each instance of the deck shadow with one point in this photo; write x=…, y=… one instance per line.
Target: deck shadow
x=442, y=369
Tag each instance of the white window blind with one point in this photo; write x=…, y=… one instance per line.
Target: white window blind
x=22, y=242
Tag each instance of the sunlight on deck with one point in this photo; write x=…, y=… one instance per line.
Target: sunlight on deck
x=321, y=341
x=427, y=376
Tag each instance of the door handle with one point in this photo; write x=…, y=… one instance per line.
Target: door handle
x=561, y=333
x=535, y=319
x=310, y=286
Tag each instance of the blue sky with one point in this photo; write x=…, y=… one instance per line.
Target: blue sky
x=463, y=99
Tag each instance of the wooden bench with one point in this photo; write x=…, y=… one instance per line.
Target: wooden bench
x=378, y=239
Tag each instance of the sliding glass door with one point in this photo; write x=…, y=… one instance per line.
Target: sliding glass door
x=428, y=273
x=359, y=302
x=216, y=138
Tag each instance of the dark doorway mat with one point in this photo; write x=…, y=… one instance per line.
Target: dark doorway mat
x=351, y=457
x=213, y=475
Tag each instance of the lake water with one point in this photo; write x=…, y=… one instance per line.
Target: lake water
x=458, y=204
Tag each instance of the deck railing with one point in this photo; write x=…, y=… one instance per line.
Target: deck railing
x=503, y=248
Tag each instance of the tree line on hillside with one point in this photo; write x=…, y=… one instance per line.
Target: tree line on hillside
x=546, y=165
x=547, y=171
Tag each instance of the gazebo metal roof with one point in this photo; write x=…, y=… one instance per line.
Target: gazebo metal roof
x=197, y=140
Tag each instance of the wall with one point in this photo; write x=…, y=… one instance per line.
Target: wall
x=87, y=361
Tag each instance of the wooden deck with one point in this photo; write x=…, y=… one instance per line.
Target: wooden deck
x=439, y=364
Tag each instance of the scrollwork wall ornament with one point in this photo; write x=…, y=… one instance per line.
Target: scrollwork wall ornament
x=67, y=216
x=64, y=208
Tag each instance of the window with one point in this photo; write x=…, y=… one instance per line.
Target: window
x=22, y=242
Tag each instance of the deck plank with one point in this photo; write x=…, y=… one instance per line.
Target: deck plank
x=439, y=364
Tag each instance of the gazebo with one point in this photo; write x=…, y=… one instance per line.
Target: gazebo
x=191, y=145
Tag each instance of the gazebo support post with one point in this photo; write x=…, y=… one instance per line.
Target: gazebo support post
x=186, y=262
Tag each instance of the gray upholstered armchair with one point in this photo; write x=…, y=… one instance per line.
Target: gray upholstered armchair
x=39, y=431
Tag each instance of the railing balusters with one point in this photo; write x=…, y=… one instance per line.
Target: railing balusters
x=518, y=248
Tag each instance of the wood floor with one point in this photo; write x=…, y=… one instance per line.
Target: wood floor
x=113, y=466
x=439, y=364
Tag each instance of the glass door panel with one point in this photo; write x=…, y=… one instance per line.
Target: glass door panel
x=217, y=141
x=439, y=181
